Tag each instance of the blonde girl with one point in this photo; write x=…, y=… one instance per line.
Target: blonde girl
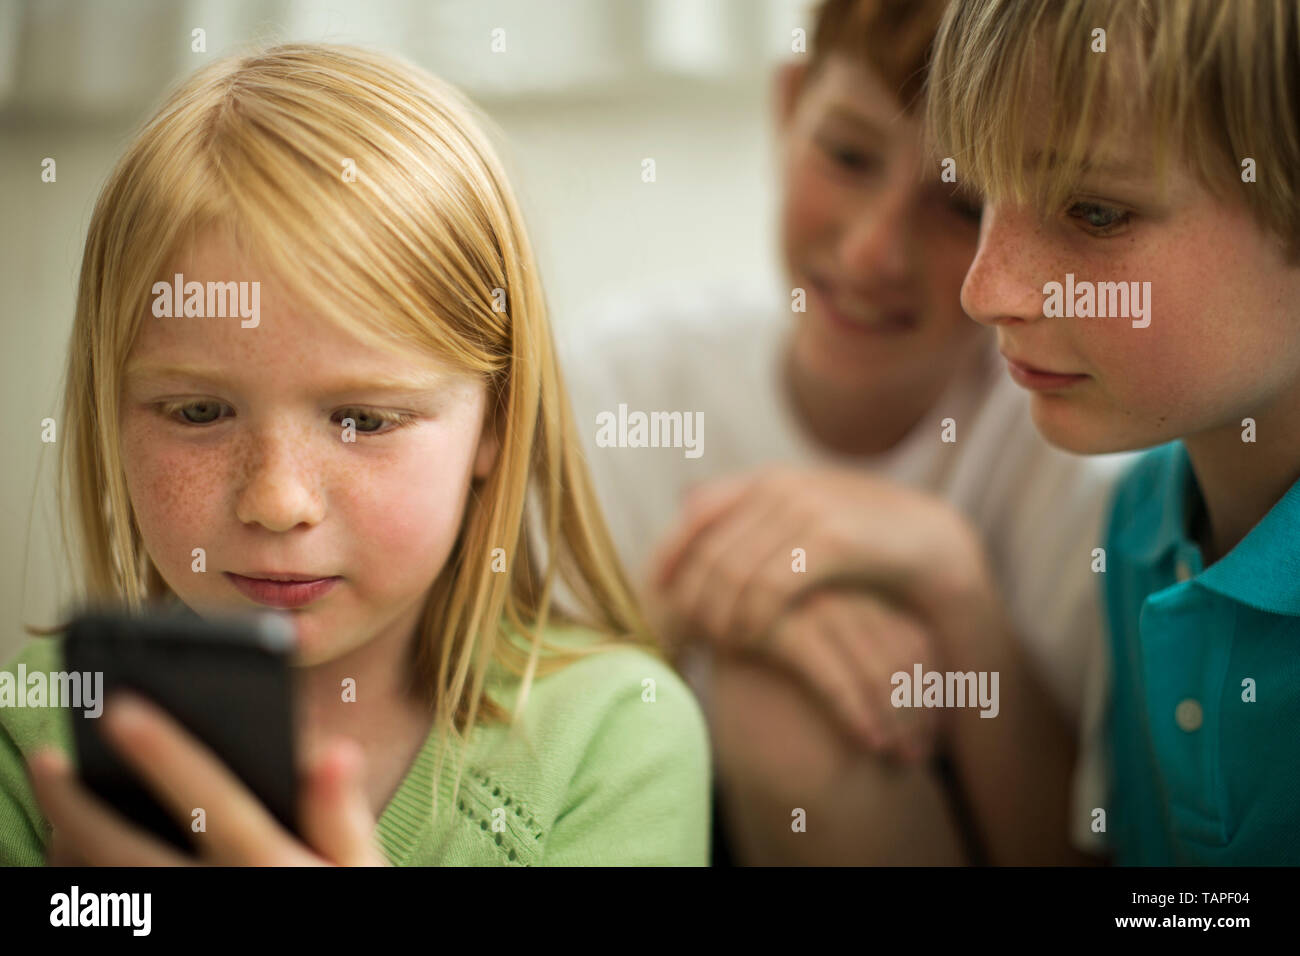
x=476, y=684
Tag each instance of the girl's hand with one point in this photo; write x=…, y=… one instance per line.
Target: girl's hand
x=726, y=573
x=184, y=774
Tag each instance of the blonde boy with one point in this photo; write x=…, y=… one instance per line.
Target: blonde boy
x=1159, y=142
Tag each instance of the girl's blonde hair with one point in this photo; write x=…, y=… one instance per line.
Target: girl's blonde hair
x=1214, y=82
x=420, y=249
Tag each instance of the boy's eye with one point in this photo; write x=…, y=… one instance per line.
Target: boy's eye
x=966, y=209
x=1099, y=218
x=850, y=158
x=942, y=199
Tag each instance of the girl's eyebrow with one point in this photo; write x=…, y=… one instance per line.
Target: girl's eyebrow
x=426, y=382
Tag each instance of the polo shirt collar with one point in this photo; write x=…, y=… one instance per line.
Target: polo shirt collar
x=1159, y=522
x=1262, y=571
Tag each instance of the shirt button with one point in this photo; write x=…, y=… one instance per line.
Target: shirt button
x=1182, y=571
x=1188, y=715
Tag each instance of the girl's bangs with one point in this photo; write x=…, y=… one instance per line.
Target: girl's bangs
x=390, y=254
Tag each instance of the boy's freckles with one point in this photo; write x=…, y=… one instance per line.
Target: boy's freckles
x=1219, y=346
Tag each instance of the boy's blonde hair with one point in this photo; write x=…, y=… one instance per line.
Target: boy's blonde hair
x=413, y=254
x=1214, y=82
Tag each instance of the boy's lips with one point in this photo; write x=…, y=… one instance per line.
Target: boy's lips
x=857, y=315
x=1040, y=379
x=283, y=590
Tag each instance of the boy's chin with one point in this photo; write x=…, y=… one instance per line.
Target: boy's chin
x=1073, y=429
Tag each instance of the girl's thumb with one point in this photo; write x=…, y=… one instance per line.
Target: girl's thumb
x=337, y=820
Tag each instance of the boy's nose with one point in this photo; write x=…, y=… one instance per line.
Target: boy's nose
x=1001, y=286
x=278, y=488
x=876, y=242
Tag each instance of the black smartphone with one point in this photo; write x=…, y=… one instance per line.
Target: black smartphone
x=226, y=680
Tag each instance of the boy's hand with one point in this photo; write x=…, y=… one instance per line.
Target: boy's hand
x=727, y=571
x=185, y=774
x=845, y=646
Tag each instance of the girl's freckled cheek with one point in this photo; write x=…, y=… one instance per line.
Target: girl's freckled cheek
x=173, y=493
x=358, y=485
x=403, y=505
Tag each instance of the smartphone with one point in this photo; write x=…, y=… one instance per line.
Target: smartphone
x=226, y=680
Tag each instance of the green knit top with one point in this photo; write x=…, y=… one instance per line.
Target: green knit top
x=608, y=764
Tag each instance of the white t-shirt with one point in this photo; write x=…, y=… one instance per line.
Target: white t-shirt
x=1038, y=509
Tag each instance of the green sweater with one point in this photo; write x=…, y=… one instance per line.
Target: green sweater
x=592, y=775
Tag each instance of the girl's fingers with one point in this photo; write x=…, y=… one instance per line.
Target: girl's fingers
x=336, y=817
x=185, y=776
x=60, y=852
x=86, y=831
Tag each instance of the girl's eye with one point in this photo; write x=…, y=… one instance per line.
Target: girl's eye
x=1102, y=220
x=363, y=419
x=197, y=413
x=370, y=422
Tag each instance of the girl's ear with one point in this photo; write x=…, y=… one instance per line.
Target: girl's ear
x=788, y=84
x=489, y=446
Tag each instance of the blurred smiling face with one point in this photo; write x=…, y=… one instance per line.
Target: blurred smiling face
x=233, y=441
x=877, y=240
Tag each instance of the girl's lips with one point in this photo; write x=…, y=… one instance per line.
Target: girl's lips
x=1039, y=380
x=282, y=594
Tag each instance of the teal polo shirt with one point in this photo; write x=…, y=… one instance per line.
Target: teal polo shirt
x=1201, y=774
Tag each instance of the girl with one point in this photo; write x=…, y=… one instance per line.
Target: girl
x=383, y=422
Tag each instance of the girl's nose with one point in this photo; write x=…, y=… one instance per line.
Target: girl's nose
x=279, y=487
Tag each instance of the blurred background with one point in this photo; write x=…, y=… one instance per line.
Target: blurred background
x=583, y=91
